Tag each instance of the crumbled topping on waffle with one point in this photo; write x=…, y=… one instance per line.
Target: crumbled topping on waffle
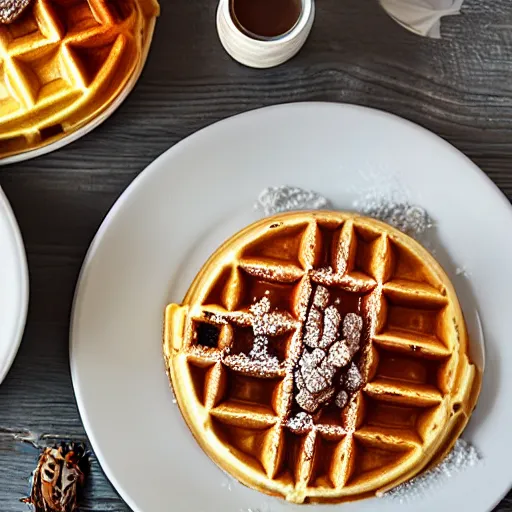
x=321, y=297
x=341, y=399
x=301, y=423
x=353, y=379
x=339, y=354
x=324, y=372
x=313, y=329
x=332, y=320
x=352, y=325
x=310, y=402
x=320, y=373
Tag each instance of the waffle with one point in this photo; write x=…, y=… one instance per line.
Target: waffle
x=321, y=357
x=64, y=62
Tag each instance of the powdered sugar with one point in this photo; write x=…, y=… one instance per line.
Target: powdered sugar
x=261, y=308
x=462, y=271
x=352, y=325
x=228, y=483
x=301, y=423
x=309, y=445
x=341, y=399
x=325, y=275
x=321, y=297
x=258, y=362
x=259, y=350
x=273, y=200
x=389, y=206
x=264, y=367
x=263, y=508
x=353, y=379
x=10, y=10
x=263, y=321
x=462, y=457
x=332, y=320
x=411, y=219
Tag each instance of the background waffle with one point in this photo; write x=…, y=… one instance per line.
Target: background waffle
x=64, y=62
x=419, y=387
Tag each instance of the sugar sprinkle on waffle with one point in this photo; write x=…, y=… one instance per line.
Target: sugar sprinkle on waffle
x=10, y=10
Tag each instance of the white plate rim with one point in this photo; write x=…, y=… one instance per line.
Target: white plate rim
x=19, y=248
x=153, y=168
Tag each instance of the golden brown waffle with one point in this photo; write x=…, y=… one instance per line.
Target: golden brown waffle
x=321, y=356
x=64, y=62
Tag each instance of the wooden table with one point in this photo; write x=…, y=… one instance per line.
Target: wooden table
x=459, y=87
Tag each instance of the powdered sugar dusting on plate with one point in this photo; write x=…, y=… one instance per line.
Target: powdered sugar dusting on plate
x=462, y=457
x=462, y=271
x=227, y=483
x=390, y=206
x=264, y=508
x=413, y=220
x=274, y=200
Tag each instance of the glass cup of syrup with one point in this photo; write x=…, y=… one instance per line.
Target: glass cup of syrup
x=264, y=33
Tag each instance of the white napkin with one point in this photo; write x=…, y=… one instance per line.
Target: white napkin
x=422, y=16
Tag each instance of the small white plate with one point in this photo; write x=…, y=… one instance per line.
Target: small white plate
x=13, y=286
x=201, y=191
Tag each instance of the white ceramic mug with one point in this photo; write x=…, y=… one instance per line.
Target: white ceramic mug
x=263, y=52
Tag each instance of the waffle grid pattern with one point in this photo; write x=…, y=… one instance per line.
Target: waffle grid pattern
x=63, y=61
x=407, y=360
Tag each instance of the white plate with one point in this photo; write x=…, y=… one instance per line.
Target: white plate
x=13, y=286
x=176, y=212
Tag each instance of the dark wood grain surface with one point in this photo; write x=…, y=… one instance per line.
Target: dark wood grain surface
x=459, y=87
